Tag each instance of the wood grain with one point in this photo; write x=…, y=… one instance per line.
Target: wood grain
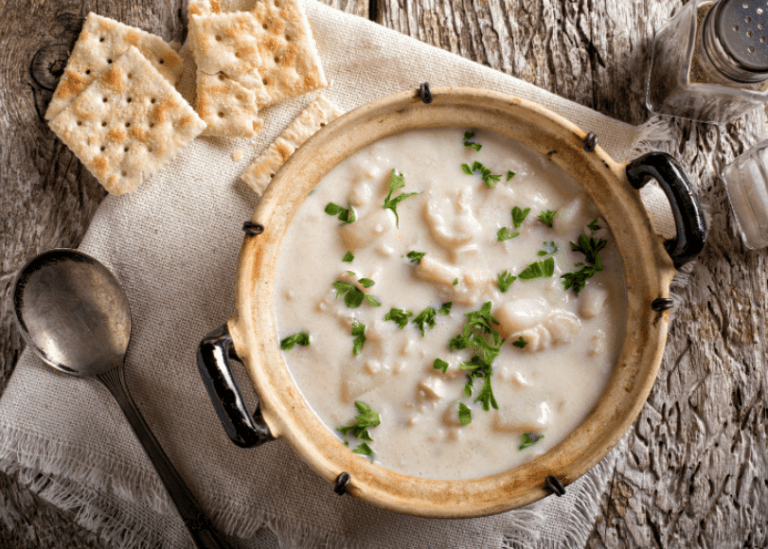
x=695, y=470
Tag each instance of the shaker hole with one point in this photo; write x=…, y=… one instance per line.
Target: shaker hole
x=735, y=27
x=759, y=11
x=749, y=33
x=745, y=5
x=762, y=39
x=748, y=19
x=751, y=49
x=760, y=26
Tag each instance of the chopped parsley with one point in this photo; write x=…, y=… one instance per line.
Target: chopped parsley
x=366, y=282
x=299, y=338
x=397, y=182
x=504, y=234
x=590, y=247
x=538, y=269
x=547, y=217
x=485, y=173
x=358, y=331
x=467, y=137
x=427, y=317
x=455, y=281
x=485, y=342
x=520, y=343
x=398, y=316
x=440, y=364
x=366, y=419
x=346, y=215
x=465, y=414
x=593, y=226
x=529, y=439
x=550, y=248
x=348, y=257
x=505, y=280
x=510, y=174
x=354, y=296
x=518, y=216
x=415, y=257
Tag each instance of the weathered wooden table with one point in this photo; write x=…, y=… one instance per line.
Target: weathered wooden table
x=695, y=470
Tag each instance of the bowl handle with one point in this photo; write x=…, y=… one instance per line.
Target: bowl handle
x=213, y=356
x=689, y=217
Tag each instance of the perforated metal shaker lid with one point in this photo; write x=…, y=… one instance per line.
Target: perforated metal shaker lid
x=740, y=29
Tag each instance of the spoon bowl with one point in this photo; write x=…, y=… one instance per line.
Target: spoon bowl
x=73, y=313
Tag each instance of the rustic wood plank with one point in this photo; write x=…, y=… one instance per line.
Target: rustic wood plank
x=695, y=471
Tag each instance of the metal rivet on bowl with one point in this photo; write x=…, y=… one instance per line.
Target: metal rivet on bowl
x=425, y=93
x=590, y=142
x=253, y=229
x=342, y=481
x=554, y=485
x=662, y=304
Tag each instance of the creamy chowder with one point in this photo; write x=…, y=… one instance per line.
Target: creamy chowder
x=460, y=324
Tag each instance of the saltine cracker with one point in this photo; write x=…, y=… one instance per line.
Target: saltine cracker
x=127, y=124
x=319, y=113
x=101, y=42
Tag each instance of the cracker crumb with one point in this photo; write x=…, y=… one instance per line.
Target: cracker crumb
x=237, y=156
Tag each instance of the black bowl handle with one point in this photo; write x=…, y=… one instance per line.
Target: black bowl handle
x=689, y=217
x=213, y=356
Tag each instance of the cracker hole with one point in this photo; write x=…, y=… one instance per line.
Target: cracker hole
x=149, y=149
x=221, y=76
x=265, y=81
x=153, y=100
x=322, y=124
x=151, y=124
x=101, y=39
x=221, y=115
x=125, y=173
x=127, y=124
x=129, y=99
x=88, y=71
x=103, y=124
x=239, y=97
x=130, y=75
x=265, y=26
x=79, y=123
x=271, y=176
x=218, y=38
x=105, y=100
x=103, y=149
x=238, y=54
x=162, y=61
x=125, y=149
x=277, y=59
x=109, y=61
x=288, y=38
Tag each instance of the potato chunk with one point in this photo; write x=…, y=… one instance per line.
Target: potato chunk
x=364, y=232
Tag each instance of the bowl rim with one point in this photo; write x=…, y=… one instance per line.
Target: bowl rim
x=648, y=272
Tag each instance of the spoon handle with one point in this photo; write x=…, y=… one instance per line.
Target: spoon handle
x=197, y=523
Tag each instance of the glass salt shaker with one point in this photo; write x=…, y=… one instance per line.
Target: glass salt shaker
x=746, y=181
x=710, y=62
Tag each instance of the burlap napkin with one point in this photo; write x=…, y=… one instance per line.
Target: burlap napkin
x=173, y=244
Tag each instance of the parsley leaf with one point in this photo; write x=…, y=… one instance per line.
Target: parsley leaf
x=504, y=234
x=529, y=439
x=427, y=316
x=455, y=281
x=440, y=364
x=547, y=217
x=366, y=419
x=358, y=330
x=485, y=342
x=397, y=182
x=346, y=215
x=366, y=282
x=485, y=173
x=505, y=280
x=520, y=343
x=398, y=316
x=465, y=414
x=299, y=338
x=538, y=269
x=550, y=248
x=510, y=174
x=593, y=226
x=348, y=257
x=415, y=257
x=372, y=301
x=518, y=216
x=590, y=247
x=467, y=137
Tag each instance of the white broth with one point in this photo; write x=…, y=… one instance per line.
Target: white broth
x=567, y=343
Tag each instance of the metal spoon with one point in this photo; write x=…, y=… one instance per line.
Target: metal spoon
x=74, y=314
